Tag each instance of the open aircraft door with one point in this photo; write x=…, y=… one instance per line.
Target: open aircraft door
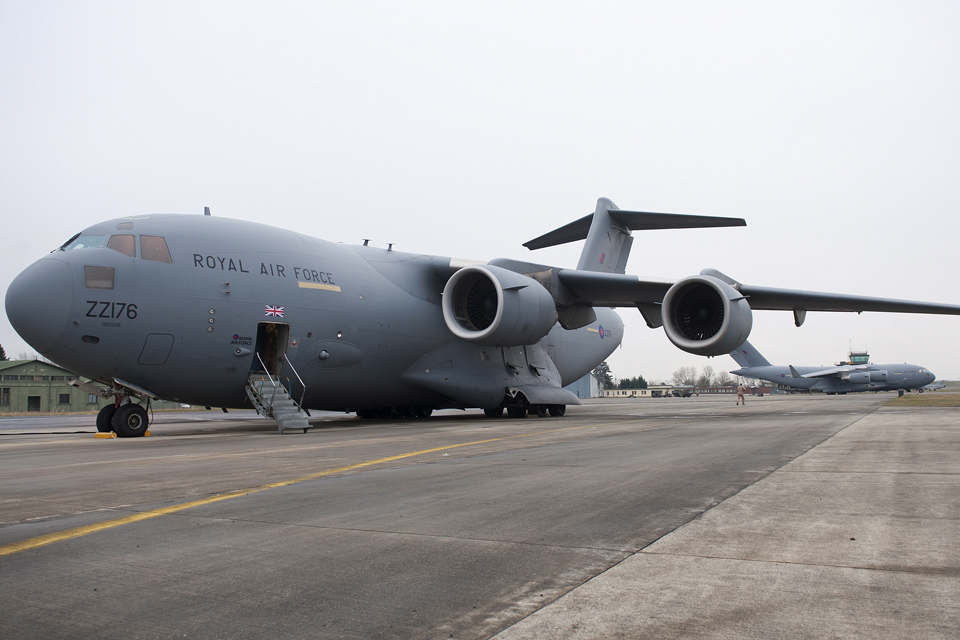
x=273, y=338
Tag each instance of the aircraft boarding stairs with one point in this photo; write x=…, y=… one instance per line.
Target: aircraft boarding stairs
x=271, y=400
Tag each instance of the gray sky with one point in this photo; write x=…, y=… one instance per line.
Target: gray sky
x=465, y=129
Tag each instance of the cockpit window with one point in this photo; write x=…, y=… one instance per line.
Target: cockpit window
x=85, y=242
x=99, y=277
x=154, y=248
x=127, y=245
x=124, y=226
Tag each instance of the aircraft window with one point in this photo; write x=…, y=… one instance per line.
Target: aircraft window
x=85, y=242
x=123, y=226
x=99, y=277
x=127, y=245
x=154, y=248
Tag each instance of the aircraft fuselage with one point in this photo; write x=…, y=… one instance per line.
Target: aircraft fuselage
x=898, y=376
x=358, y=323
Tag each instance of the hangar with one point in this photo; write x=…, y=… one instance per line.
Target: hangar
x=35, y=385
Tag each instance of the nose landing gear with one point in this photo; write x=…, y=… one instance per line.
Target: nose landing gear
x=128, y=420
x=124, y=417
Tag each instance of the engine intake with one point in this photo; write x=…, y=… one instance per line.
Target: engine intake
x=496, y=307
x=706, y=316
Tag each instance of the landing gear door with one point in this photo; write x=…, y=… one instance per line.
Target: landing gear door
x=272, y=341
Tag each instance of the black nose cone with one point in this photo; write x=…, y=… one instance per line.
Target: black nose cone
x=39, y=302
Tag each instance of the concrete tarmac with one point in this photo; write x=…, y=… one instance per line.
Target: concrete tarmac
x=646, y=518
x=857, y=538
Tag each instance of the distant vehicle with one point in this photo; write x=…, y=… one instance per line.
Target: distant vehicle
x=854, y=376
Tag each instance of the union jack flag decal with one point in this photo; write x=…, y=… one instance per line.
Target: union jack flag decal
x=274, y=312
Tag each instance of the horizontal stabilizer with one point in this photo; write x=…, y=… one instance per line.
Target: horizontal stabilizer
x=633, y=220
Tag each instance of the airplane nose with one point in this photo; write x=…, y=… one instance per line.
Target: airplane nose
x=39, y=302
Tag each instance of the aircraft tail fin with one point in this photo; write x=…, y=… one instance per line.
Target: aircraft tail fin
x=607, y=233
x=747, y=356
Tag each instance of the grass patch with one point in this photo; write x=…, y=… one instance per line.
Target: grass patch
x=929, y=399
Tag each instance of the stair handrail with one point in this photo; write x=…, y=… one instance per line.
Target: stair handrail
x=267, y=371
x=286, y=361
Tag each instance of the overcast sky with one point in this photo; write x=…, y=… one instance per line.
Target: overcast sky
x=466, y=129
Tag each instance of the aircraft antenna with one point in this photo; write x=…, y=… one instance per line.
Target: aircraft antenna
x=366, y=242
x=206, y=211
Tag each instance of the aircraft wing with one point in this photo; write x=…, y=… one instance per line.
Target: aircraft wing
x=613, y=289
x=836, y=371
x=769, y=298
x=622, y=290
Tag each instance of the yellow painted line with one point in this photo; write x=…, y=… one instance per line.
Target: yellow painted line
x=593, y=330
x=77, y=532
x=317, y=285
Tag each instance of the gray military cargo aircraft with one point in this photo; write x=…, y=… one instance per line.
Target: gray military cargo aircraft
x=218, y=312
x=843, y=378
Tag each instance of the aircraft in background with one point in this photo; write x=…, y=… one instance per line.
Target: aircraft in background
x=933, y=387
x=856, y=375
x=217, y=312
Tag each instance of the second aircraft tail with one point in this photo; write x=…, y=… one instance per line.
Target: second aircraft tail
x=747, y=356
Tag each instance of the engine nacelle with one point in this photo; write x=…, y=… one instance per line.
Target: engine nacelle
x=496, y=307
x=706, y=316
x=878, y=376
x=858, y=377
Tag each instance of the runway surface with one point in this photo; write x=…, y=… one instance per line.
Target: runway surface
x=454, y=526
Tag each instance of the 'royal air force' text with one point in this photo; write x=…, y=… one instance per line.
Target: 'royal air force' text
x=221, y=263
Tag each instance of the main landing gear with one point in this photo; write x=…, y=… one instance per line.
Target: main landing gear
x=516, y=412
x=394, y=412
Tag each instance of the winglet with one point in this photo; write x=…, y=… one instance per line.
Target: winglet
x=794, y=372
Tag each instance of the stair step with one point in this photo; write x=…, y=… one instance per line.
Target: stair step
x=275, y=401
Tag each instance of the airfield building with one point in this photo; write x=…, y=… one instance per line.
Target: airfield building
x=35, y=385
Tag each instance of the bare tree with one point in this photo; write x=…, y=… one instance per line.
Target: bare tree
x=685, y=376
x=705, y=379
x=722, y=379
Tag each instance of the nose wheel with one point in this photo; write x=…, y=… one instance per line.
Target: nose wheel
x=105, y=418
x=130, y=421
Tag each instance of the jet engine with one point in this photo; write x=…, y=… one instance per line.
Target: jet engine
x=858, y=377
x=493, y=306
x=706, y=316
